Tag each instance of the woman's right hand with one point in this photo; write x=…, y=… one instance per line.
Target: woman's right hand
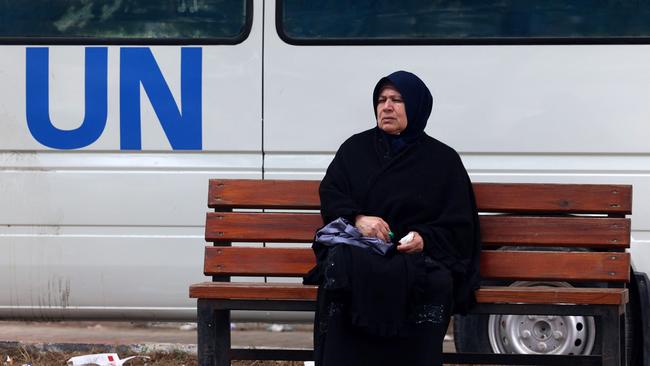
x=372, y=226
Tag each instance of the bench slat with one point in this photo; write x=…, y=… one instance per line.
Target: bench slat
x=554, y=198
x=245, y=193
x=253, y=291
x=555, y=266
x=246, y=261
x=453, y=358
x=491, y=197
x=495, y=264
x=550, y=295
x=495, y=230
x=556, y=231
x=262, y=226
x=528, y=295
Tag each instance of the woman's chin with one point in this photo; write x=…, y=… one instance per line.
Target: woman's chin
x=390, y=130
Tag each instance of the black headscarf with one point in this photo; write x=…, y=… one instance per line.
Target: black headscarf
x=418, y=102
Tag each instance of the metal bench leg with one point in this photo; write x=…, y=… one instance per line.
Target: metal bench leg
x=622, y=335
x=611, y=337
x=213, y=330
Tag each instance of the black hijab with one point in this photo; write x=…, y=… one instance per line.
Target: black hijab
x=418, y=103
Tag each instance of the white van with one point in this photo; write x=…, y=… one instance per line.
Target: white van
x=114, y=115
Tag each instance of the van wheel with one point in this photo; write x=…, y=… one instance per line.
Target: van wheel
x=536, y=334
x=526, y=334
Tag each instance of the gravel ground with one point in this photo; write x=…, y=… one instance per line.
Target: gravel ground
x=25, y=356
x=167, y=344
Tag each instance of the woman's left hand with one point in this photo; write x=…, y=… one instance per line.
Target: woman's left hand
x=415, y=245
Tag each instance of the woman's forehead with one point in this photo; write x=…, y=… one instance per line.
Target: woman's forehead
x=389, y=88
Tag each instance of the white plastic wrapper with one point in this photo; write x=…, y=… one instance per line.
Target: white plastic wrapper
x=100, y=359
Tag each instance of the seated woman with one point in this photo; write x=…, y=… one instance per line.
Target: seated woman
x=395, y=181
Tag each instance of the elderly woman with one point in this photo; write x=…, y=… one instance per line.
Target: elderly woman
x=393, y=307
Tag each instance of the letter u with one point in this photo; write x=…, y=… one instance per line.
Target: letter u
x=37, y=100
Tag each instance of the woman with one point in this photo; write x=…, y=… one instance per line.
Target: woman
x=395, y=180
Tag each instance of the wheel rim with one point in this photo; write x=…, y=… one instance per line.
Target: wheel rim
x=542, y=334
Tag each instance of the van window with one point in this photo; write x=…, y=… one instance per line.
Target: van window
x=151, y=21
x=457, y=21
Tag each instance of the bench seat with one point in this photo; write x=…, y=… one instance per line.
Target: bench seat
x=487, y=294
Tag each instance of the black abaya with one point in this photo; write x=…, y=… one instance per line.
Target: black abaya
x=394, y=309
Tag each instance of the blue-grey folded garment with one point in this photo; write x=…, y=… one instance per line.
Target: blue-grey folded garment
x=341, y=231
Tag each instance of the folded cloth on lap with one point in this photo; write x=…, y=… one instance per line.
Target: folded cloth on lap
x=341, y=231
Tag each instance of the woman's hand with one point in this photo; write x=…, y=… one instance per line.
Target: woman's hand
x=414, y=245
x=372, y=226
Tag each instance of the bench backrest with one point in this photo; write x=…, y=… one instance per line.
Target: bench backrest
x=555, y=218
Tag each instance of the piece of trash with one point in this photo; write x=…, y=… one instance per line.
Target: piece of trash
x=309, y=363
x=448, y=337
x=101, y=359
x=280, y=328
x=233, y=326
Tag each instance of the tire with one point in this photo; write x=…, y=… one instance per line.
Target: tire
x=477, y=333
x=471, y=333
x=528, y=334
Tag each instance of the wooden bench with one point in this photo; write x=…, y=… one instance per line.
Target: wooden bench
x=532, y=216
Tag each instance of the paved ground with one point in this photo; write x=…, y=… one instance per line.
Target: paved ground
x=119, y=333
x=181, y=334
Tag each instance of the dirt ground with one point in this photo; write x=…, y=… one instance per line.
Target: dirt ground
x=25, y=356
x=167, y=344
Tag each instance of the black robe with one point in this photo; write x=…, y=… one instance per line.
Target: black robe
x=382, y=310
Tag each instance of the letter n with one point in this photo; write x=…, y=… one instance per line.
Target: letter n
x=182, y=127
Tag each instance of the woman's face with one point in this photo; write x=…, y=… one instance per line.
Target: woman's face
x=391, y=112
